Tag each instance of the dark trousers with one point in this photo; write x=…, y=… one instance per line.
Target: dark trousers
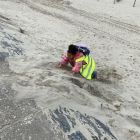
x=94, y=74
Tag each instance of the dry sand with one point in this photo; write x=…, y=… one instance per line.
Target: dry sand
x=112, y=33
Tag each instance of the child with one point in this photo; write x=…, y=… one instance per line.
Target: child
x=81, y=61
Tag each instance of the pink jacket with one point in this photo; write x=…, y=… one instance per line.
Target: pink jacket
x=75, y=65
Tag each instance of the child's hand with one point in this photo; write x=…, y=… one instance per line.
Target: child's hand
x=59, y=65
x=63, y=55
x=73, y=73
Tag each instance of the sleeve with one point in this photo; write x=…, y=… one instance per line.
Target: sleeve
x=77, y=67
x=64, y=60
x=78, y=63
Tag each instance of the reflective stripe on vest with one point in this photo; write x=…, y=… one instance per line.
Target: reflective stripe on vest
x=87, y=69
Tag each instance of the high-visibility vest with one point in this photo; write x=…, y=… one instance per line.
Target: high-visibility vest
x=87, y=70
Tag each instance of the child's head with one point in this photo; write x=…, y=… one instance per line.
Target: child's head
x=73, y=49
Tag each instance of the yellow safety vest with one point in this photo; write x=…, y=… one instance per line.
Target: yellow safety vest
x=87, y=69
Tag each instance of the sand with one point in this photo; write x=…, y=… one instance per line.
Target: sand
x=112, y=33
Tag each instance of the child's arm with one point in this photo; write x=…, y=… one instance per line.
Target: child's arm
x=64, y=61
x=78, y=62
x=77, y=67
